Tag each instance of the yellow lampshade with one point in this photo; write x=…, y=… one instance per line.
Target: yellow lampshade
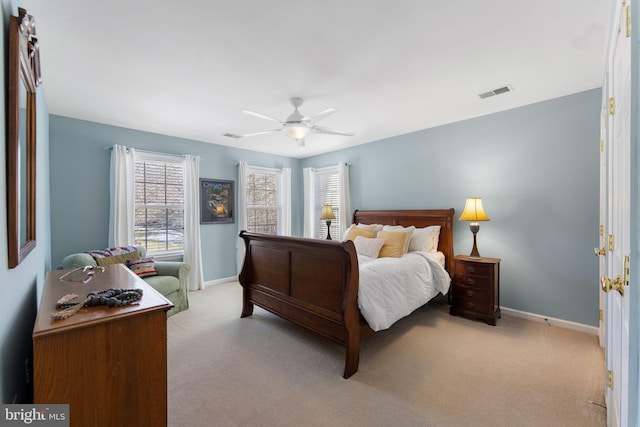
x=327, y=212
x=473, y=210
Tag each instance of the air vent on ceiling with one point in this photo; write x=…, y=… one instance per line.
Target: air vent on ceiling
x=232, y=135
x=494, y=92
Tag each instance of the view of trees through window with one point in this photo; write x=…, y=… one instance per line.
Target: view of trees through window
x=159, y=206
x=262, y=202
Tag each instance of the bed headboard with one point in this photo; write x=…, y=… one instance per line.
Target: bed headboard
x=418, y=218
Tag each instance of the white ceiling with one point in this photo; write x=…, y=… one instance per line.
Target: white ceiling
x=189, y=68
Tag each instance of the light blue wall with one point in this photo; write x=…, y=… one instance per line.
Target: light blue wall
x=80, y=186
x=20, y=288
x=537, y=170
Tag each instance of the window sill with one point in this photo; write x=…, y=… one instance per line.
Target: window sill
x=167, y=256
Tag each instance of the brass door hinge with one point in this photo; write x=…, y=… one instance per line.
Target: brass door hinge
x=601, y=145
x=628, y=20
x=601, y=315
x=612, y=105
x=601, y=230
x=610, y=379
x=611, y=243
x=625, y=270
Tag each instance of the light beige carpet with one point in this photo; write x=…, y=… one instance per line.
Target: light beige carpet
x=430, y=369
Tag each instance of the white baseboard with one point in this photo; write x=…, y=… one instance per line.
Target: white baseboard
x=591, y=330
x=220, y=281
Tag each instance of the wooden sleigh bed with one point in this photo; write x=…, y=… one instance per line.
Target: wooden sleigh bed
x=314, y=283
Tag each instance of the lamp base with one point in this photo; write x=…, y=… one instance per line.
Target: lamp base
x=328, y=229
x=475, y=227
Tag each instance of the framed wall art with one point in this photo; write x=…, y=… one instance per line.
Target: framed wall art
x=216, y=201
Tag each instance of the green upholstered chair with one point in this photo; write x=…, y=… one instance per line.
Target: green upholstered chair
x=171, y=280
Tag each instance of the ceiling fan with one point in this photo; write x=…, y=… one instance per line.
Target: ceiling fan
x=296, y=126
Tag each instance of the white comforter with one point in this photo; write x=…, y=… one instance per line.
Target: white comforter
x=392, y=288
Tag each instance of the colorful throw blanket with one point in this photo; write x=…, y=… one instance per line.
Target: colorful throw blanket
x=114, y=255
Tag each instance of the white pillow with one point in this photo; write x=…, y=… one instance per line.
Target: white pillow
x=371, y=228
x=368, y=246
x=425, y=239
x=409, y=230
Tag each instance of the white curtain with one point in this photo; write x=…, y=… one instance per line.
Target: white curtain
x=345, y=197
x=122, y=198
x=192, y=249
x=308, y=177
x=241, y=212
x=285, y=202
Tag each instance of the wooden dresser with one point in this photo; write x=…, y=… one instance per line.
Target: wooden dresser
x=108, y=364
x=476, y=288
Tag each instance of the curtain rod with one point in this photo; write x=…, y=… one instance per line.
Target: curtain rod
x=263, y=168
x=346, y=163
x=110, y=147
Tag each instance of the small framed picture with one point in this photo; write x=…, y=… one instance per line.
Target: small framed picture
x=216, y=201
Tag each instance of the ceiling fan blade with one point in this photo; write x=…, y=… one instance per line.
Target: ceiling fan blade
x=262, y=132
x=321, y=115
x=262, y=116
x=329, y=131
x=300, y=142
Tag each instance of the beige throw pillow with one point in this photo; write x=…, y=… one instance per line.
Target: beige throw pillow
x=409, y=230
x=355, y=231
x=394, y=243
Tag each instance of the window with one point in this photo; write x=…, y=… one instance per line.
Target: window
x=326, y=191
x=263, y=200
x=159, y=203
x=328, y=185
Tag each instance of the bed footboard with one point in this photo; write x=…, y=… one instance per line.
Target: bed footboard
x=313, y=283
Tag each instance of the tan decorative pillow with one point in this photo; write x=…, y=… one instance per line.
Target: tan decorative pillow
x=117, y=259
x=394, y=243
x=371, y=228
x=409, y=230
x=355, y=231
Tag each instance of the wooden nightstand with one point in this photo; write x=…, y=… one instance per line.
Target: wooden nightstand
x=476, y=288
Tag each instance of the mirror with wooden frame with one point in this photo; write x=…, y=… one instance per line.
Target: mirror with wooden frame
x=23, y=79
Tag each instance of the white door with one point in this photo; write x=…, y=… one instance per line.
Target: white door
x=601, y=249
x=617, y=219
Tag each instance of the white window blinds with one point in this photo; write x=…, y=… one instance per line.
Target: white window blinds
x=326, y=191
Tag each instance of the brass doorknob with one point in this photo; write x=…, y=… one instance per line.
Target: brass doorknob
x=612, y=285
x=600, y=251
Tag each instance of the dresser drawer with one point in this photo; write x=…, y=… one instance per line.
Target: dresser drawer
x=473, y=269
x=474, y=281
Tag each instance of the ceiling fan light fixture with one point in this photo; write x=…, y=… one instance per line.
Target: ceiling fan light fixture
x=296, y=126
x=296, y=130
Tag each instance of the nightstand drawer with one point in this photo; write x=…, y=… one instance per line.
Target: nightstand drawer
x=473, y=268
x=477, y=282
x=468, y=299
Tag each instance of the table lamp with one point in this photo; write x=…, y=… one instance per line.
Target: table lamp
x=327, y=214
x=474, y=212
